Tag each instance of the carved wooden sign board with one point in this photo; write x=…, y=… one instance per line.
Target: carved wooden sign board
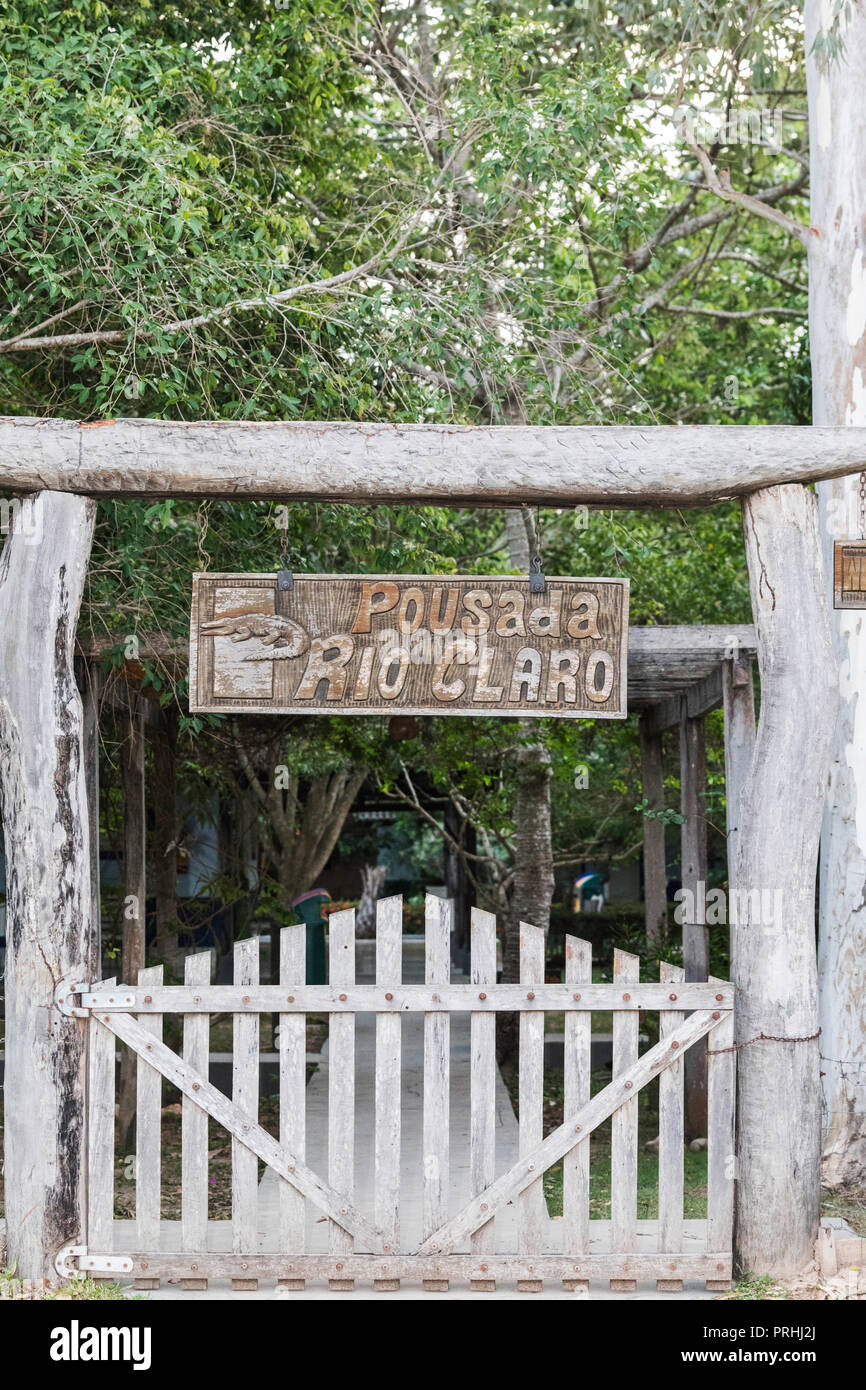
x=409, y=644
x=849, y=574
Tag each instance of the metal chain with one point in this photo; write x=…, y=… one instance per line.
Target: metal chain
x=202, y=518
x=761, y=1037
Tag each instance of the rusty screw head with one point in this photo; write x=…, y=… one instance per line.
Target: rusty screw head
x=193, y=1266
x=674, y=1045
x=344, y=997
x=482, y=996
x=196, y=999
x=195, y=1086
x=628, y=1085
x=530, y=995
x=435, y=998
x=291, y=999
x=626, y=996
x=577, y=1129
x=246, y=999
x=717, y=1015
x=148, y=999
x=672, y=996
x=720, y=997
x=483, y=1206
x=389, y=996
x=575, y=996
x=150, y=1047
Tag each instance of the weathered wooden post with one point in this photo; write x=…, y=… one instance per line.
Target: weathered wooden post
x=89, y=680
x=654, y=862
x=779, y=827
x=696, y=949
x=134, y=887
x=738, y=699
x=46, y=826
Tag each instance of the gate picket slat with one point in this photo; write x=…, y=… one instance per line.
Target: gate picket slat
x=531, y=1208
x=389, y=974
x=196, y=1051
x=721, y=1063
x=100, y=1133
x=245, y=1095
x=293, y=1093
x=148, y=1131
x=437, y=1066
x=577, y=1063
x=671, y=1125
x=482, y=1158
x=623, y=1148
x=341, y=1082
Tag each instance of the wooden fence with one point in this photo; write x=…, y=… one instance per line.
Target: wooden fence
x=467, y=1235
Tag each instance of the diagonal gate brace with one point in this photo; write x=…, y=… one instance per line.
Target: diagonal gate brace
x=575, y=1130
x=243, y=1127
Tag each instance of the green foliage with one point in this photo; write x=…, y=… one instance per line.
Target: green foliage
x=520, y=236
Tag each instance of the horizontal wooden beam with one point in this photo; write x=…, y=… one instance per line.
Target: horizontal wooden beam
x=471, y=465
x=700, y=698
x=398, y=998
x=598, y=1265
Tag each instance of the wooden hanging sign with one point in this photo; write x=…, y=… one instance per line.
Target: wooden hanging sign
x=408, y=644
x=849, y=574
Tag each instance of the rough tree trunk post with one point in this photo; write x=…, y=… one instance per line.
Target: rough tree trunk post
x=696, y=946
x=780, y=821
x=654, y=861
x=47, y=835
x=738, y=699
x=837, y=336
x=135, y=894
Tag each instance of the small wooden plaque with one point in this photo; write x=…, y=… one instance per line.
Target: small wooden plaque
x=849, y=574
x=409, y=645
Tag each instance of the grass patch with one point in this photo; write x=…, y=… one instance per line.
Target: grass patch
x=755, y=1287
x=849, y=1203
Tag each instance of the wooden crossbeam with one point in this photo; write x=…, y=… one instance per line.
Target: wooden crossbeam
x=476, y=465
x=292, y=1270
x=242, y=1127
x=400, y=998
x=575, y=1130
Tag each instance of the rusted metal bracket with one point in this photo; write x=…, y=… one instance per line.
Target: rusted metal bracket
x=88, y=999
x=66, y=992
x=89, y=1264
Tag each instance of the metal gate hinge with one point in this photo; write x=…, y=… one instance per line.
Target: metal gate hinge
x=89, y=1264
x=64, y=995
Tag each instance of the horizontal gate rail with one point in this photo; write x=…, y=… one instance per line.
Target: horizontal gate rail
x=399, y=998
x=498, y=1228
x=286, y=1269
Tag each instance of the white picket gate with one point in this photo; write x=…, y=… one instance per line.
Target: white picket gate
x=466, y=1235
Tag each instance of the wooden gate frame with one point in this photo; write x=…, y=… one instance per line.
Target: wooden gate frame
x=135, y=1016
x=63, y=464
